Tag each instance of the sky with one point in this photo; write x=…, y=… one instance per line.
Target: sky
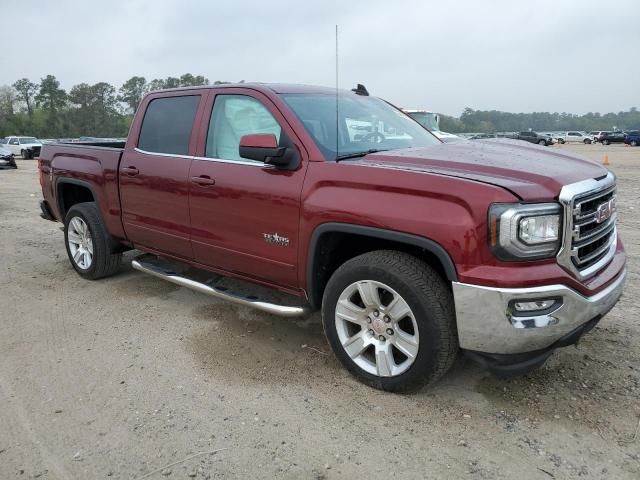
x=561, y=56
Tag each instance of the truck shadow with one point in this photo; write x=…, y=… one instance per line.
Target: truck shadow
x=240, y=346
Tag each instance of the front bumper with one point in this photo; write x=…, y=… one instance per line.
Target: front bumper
x=487, y=321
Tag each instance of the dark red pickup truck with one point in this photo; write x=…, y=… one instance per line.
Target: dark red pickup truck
x=412, y=249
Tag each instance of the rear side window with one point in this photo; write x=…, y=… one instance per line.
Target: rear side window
x=167, y=124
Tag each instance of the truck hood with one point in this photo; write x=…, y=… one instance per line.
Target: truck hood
x=529, y=171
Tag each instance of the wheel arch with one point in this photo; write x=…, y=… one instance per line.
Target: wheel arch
x=324, y=257
x=70, y=191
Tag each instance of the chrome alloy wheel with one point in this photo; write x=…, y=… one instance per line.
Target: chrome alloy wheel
x=377, y=328
x=80, y=243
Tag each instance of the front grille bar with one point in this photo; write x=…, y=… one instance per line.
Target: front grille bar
x=581, y=202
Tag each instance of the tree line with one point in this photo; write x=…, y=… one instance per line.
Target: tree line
x=490, y=121
x=101, y=110
x=47, y=111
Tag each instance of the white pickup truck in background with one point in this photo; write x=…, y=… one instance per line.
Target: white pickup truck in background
x=573, y=137
x=26, y=147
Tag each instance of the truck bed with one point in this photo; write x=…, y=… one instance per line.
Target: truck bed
x=108, y=144
x=91, y=164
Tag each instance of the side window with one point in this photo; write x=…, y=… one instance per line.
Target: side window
x=14, y=141
x=167, y=124
x=232, y=117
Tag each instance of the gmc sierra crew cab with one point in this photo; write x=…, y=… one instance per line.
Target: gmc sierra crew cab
x=412, y=249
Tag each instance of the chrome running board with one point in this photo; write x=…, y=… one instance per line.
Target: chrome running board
x=153, y=266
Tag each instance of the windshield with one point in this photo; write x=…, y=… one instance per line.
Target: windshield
x=426, y=119
x=28, y=140
x=364, y=124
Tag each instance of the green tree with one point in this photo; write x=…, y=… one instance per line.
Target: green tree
x=188, y=80
x=52, y=99
x=156, y=84
x=26, y=91
x=95, y=111
x=50, y=96
x=171, y=82
x=131, y=92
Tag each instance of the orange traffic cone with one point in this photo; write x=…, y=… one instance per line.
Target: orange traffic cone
x=605, y=160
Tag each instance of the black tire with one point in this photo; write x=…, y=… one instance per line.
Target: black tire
x=23, y=154
x=104, y=263
x=587, y=141
x=634, y=143
x=429, y=298
x=542, y=142
x=606, y=142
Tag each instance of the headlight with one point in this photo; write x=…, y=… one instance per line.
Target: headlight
x=525, y=231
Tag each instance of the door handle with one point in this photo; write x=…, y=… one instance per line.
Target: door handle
x=131, y=171
x=203, y=180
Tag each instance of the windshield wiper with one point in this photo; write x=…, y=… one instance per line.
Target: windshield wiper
x=358, y=154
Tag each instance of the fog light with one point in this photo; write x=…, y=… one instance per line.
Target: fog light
x=534, y=305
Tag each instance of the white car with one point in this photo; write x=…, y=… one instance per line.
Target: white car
x=573, y=137
x=26, y=147
x=447, y=137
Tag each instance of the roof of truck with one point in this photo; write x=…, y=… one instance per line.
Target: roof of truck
x=274, y=87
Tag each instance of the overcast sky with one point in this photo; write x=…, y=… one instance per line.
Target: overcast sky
x=574, y=56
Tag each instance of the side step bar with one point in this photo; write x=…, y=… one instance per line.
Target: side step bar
x=150, y=264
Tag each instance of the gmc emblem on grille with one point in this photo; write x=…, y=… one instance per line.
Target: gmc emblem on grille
x=605, y=210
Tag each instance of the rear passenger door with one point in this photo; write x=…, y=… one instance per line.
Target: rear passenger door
x=154, y=171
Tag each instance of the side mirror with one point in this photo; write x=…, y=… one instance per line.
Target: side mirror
x=264, y=147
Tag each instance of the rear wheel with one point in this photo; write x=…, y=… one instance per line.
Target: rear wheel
x=542, y=142
x=606, y=142
x=389, y=319
x=87, y=243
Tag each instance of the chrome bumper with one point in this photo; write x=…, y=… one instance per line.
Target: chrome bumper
x=486, y=320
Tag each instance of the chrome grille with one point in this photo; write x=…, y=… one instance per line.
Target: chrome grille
x=590, y=225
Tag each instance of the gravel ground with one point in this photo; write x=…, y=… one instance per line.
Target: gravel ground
x=133, y=377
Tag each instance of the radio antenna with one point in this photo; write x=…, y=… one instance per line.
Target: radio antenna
x=337, y=115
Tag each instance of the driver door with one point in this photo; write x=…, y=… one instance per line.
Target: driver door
x=245, y=214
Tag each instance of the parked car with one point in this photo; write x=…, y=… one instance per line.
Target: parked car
x=26, y=147
x=431, y=121
x=573, y=137
x=446, y=137
x=412, y=249
x=532, y=137
x=611, y=137
x=632, y=138
x=6, y=158
x=596, y=135
x=480, y=136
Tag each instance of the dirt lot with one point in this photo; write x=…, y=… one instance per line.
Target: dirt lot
x=122, y=377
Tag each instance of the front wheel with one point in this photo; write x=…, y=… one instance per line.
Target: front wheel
x=87, y=242
x=542, y=142
x=606, y=142
x=389, y=319
x=634, y=143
